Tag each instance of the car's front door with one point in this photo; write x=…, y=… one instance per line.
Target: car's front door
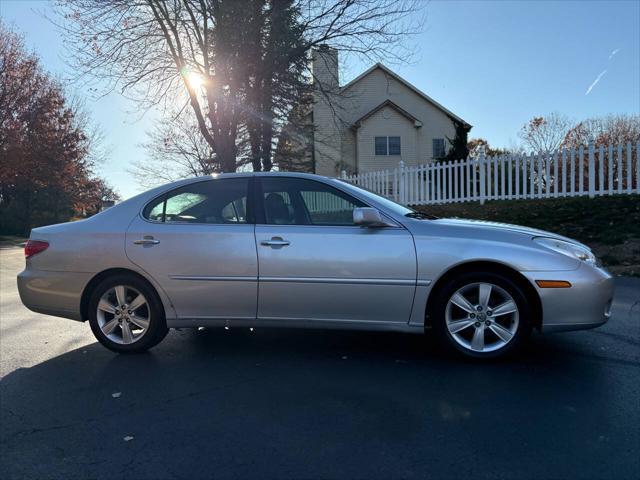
x=315, y=264
x=198, y=243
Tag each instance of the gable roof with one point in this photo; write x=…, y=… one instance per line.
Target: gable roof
x=420, y=93
x=388, y=103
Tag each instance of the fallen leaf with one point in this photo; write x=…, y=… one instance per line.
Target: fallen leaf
x=116, y=394
x=128, y=438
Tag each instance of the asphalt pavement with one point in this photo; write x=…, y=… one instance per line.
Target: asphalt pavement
x=306, y=404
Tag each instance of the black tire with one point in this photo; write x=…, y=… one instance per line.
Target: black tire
x=157, y=328
x=453, y=285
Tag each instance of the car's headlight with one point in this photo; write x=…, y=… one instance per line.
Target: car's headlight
x=567, y=248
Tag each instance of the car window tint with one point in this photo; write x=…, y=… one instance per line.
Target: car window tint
x=297, y=201
x=279, y=207
x=217, y=201
x=235, y=211
x=182, y=206
x=155, y=210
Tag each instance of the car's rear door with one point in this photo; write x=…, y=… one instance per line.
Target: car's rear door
x=315, y=264
x=198, y=243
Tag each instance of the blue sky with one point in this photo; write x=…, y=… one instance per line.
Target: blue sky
x=494, y=63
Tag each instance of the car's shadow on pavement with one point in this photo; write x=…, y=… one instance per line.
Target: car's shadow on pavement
x=320, y=404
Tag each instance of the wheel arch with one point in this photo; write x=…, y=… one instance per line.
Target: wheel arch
x=99, y=277
x=491, y=267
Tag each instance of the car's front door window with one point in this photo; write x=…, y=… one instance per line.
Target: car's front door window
x=298, y=201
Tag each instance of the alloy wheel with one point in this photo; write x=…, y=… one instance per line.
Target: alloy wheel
x=482, y=317
x=123, y=314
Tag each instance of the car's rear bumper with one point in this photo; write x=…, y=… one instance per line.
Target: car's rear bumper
x=586, y=304
x=53, y=293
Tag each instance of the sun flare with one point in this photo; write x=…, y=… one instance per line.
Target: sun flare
x=195, y=80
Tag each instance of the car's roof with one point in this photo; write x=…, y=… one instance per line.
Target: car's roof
x=186, y=181
x=263, y=174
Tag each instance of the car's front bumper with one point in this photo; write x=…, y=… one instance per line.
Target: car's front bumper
x=53, y=293
x=586, y=304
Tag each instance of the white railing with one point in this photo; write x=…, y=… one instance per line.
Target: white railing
x=585, y=171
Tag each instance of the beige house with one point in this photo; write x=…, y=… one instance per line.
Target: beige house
x=371, y=123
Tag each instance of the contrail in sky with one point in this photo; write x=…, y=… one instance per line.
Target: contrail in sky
x=602, y=73
x=595, y=82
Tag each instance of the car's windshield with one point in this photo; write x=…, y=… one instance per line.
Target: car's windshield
x=389, y=204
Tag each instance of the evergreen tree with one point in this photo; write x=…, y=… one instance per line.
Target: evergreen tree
x=459, y=149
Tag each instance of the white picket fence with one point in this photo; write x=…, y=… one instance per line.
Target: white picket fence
x=586, y=171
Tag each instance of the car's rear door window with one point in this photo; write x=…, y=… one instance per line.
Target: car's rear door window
x=219, y=201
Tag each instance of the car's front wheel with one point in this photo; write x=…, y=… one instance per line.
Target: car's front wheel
x=482, y=315
x=126, y=314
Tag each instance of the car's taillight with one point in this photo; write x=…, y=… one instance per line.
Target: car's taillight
x=33, y=247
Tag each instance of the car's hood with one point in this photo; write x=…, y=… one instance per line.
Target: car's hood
x=505, y=227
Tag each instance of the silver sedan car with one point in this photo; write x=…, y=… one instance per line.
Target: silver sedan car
x=300, y=250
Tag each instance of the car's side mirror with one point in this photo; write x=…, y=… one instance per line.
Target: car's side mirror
x=370, y=217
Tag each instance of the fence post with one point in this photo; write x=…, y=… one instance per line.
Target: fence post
x=592, y=169
x=638, y=167
x=483, y=183
x=343, y=175
x=402, y=187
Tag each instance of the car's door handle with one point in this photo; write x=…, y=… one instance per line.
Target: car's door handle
x=275, y=242
x=146, y=241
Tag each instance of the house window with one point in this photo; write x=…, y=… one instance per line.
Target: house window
x=381, y=145
x=438, y=148
x=387, y=145
x=394, y=145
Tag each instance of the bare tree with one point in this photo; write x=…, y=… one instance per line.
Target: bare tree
x=175, y=149
x=545, y=134
x=608, y=130
x=163, y=52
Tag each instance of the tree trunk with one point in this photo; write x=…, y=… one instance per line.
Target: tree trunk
x=254, y=139
x=222, y=115
x=226, y=152
x=267, y=135
x=254, y=126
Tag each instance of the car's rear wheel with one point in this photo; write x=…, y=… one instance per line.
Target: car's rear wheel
x=482, y=315
x=126, y=314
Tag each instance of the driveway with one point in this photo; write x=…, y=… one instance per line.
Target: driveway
x=314, y=404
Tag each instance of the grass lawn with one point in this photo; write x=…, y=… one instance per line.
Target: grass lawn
x=609, y=225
